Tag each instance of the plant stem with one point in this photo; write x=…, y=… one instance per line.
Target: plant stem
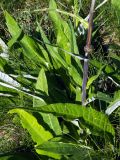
x=87, y=50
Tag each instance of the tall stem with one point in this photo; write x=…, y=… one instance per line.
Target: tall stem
x=87, y=50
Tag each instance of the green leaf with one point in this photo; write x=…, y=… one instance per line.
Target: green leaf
x=96, y=63
x=112, y=107
x=38, y=102
x=93, y=78
x=97, y=121
x=42, y=82
x=62, y=148
x=62, y=31
x=103, y=97
x=32, y=51
x=78, y=94
x=114, y=104
x=109, y=69
x=12, y=25
x=30, y=47
x=73, y=44
x=3, y=62
x=45, y=54
x=15, y=38
x=49, y=154
x=52, y=122
x=13, y=28
x=53, y=51
x=29, y=122
x=77, y=7
x=65, y=35
x=76, y=77
x=58, y=58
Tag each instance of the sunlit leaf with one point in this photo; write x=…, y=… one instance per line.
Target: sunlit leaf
x=12, y=25
x=29, y=122
x=97, y=120
x=52, y=122
x=61, y=148
x=42, y=82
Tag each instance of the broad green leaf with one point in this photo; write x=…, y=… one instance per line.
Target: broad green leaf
x=12, y=25
x=15, y=38
x=29, y=122
x=52, y=122
x=42, y=84
x=13, y=28
x=65, y=35
x=97, y=121
x=62, y=148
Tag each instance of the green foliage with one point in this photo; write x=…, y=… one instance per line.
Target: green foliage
x=97, y=120
x=61, y=148
x=44, y=89
x=38, y=134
